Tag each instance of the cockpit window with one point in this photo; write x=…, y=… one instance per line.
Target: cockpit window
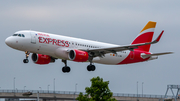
x=20, y=35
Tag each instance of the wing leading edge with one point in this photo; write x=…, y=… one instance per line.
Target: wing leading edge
x=102, y=51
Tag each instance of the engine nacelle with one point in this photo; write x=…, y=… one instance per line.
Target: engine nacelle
x=41, y=59
x=78, y=55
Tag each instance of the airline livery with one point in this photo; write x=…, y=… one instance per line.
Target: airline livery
x=46, y=48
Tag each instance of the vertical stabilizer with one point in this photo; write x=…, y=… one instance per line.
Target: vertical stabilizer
x=145, y=35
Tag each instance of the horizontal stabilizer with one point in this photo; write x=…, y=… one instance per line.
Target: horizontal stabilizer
x=154, y=54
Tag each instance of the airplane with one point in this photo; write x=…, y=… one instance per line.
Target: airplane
x=46, y=48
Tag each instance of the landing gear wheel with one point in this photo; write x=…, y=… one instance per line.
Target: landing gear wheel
x=66, y=69
x=63, y=69
x=25, y=60
x=91, y=67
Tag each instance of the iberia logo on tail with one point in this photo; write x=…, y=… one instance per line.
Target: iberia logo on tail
x=145, y=36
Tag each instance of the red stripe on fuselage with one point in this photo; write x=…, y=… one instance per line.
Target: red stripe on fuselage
x=134, y=56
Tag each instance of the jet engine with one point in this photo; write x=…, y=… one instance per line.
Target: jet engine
x=78, y=55
x=42, y=59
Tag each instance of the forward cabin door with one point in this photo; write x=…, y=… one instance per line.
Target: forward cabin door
x=33, y=38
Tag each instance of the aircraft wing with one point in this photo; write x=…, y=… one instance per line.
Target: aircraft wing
x=102, y=51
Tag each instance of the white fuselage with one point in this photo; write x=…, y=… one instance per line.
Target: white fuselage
x=51, y=44
x=46, y=48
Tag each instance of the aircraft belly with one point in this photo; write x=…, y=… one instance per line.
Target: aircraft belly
x=111, y=59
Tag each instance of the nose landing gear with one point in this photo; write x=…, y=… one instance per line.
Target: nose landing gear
x=27, y=55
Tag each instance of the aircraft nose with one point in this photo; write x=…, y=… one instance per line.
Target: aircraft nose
x=8, y=41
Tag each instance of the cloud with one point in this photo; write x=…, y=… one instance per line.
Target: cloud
x=85, y=11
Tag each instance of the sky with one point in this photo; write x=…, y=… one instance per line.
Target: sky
x=111, y=21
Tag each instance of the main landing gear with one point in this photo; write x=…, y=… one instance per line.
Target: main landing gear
x=27, y=55
x=91, y=67
x=66, y=69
